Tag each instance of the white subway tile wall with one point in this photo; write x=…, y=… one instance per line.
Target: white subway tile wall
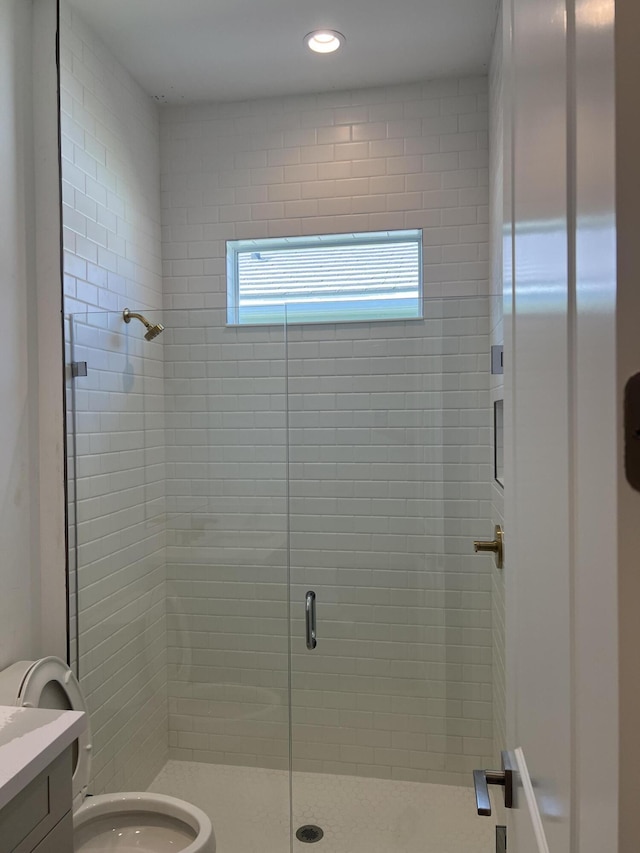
x=388, y=426
x=497, y=381
x=110, y=168
x=189, y=448
x=401, y=157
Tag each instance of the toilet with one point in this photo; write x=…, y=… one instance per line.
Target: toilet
x=117, y=823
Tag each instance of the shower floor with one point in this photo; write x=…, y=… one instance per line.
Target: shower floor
x=249, y=810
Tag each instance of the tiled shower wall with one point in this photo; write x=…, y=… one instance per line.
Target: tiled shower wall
x=389, y=429
x=110, y=168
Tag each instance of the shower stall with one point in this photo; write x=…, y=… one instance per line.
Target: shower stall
x=276, y=612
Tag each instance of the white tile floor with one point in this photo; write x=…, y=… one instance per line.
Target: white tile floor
x=249, y=808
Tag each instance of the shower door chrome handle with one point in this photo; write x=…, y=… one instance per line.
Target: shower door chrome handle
x=310, y=618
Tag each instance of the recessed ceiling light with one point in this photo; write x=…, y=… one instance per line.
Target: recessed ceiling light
x=324, y=41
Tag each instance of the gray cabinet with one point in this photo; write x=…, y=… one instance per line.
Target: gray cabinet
x=39, y=818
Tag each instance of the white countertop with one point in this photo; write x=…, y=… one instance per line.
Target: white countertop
x=30, y=739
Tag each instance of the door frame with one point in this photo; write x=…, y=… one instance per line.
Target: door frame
x=561, y=413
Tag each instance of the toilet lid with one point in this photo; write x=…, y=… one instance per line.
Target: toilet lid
x=49, y=683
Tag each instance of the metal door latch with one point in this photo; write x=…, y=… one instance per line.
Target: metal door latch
x=483, y=778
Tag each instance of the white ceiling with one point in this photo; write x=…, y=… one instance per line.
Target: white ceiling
x=187, y=50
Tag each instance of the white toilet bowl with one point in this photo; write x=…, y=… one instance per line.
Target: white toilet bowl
x=144, y=823
x=109, y=823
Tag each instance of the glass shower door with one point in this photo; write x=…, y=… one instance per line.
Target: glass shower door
x=222, y=475
x=389, y=483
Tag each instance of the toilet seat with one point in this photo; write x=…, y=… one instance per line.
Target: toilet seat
x=52, y=670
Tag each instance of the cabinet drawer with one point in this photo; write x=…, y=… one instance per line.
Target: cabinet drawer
x=34, y=812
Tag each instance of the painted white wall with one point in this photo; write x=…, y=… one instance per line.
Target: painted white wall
x=47, y=314
x=32, y=579
x=19, y=533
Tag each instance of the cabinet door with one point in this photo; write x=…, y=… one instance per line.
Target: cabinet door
x=37, y=810
x=60, y=839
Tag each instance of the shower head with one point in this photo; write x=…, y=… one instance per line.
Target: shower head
x=152, y=331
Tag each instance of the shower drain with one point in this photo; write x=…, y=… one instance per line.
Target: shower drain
x=309, y=833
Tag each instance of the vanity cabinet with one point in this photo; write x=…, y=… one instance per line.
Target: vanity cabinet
x=39, y=818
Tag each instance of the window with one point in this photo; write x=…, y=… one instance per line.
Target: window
x=325, y=279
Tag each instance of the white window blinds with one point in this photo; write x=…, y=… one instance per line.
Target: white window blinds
x=327, y=278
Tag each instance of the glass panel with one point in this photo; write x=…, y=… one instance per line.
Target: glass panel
x=120, y=539
x=390, y=465
x=182, y=562
x=227, y=571
x=221, y=473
